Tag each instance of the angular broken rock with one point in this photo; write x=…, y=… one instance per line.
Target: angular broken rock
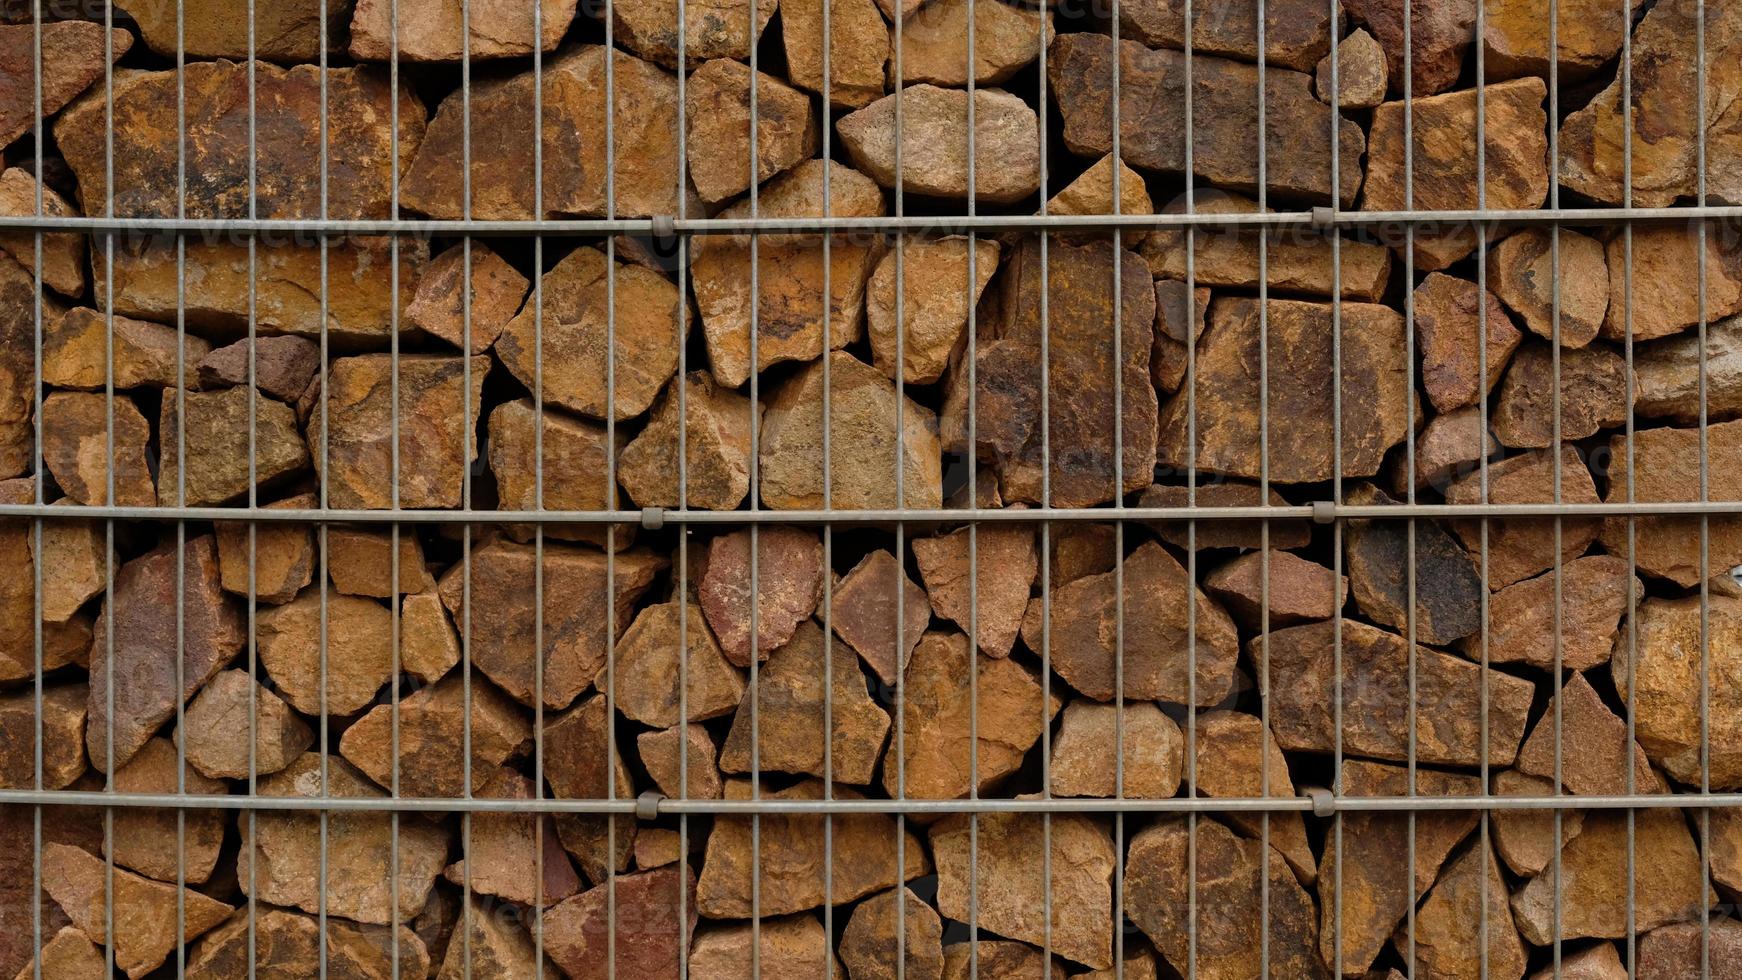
x=715, y=433
x=1667, y=375
x=1601, y=750
x=583, y=762
x=865, y=858
x=1523, y=625
x=645, y=107
x=1521, y=272
x=1011, y=884
x=439, y=306
x=858, y=46
x=1665, y=692
x=146, y=838
x=1589, y=35
x=863, y=611
x=1663, y=464
x=1689, y=949
x=788, y=709
x=934, y=42
x=503, y=850
x=1668, y=879
x=718, y=110
x=1375, y=715
x=1087, y=759
x=145, y=912
x=1439, y=35
x=1005, y=561
x=1080, y=549
x=1376, y=400
x=1230, y=873
x=279, y=943
x=998, y=958
x=1173, y=312
x=666, y=758
x=1361, y=73
x=143, y=604
x=932, y=319
x=869, y=946
x=283, y=366
x=428, y=645
x=436, y=436
x=69, y=955
x=430, y=30
x=360, y=561
x=642, y=910
x=1665, y=287
x=336, y=672
x=1589, y=393
x=490, y=940
x=76, y=432
x=789, y=584
x=1446, y=581
x=1157, y=653
x=1448, y=936
x=222, y=433
x=939, y=713
x=431, y=753
x=75, y=352
x=1525, y=837
x=934, y=143
x=73, y=56
x=230, y=704
x=1296, y=31
x=864, y=442
x=654, y=668
x=567, y=470
x=1225, y=110
x=656, y=847
x=1092, y=194
x=718, y=29
x=1296, y=261
x=1444, y=129
x=1520, y=547
x=75, y=563
x=1452, y=446
x=1237, y=756
x=1297, y=590
x=789, y=948
x=1449, y=319
x=60, y=727
x=1202, y=535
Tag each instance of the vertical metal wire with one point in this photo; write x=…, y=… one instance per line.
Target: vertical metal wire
x=1336, y=842
x=1263, y=491
x=1554, y=231
x=681, y=387
x=1705, y=815
x=1409, y=878
x=1632, y=626
x=1485, y=682
x=1191, y=389
x=38, y=733
x=1118, y=413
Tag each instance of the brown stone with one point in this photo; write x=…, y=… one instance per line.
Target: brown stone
x=934, y=42
x=1521, y=272
x=1599, y=962
x=1665, y=692
x=1005, y=561
x=503, y=851
x=998, y=959
x=718, y=100
x=1445, y=578
x=1011, y=884
x=718, y=29
x=436, y=436
x=1666, y=375
x=63, y=255
x=1450, y=930
x=1590, y=393
x=573, y=177
x=144, y=642
x=1521, y=547
x=221, y=433
x=280, y=861
x=1523, y=624
x=789, y=584
x=75, y=564
x=656, y=847
x=1139, y=964
x=858, y=45
x=18, y=372
x=1725, y=846
x=787, y=712
x=1444, y=129
x=1376, y=401
x=1157, y=652
x=1296, y=591
x=1295, y=31
x=1525, y=837
x=69, y=955
x=430, y=30
x=491, y=941
x=1665, y=288
x=1167, y=359
x=789, y=309
x=1662, y=464
x=1231, y=874
x=1362, y=69
x=288, y=32
x=583, y=761
x=1236, y=754
x=588, y=838
x=1600, y=749
x=1588, y=36
x=654, y=667
x=145, y=912
x=937, y=302
x=146, y=838
x=789, y=948
x=642, y=910
x=1296, y=261
x=1668, y=879
x=283, y=366
x=1225, y=112
x=76, y=427
x=1201, y=535
x=934, y=140
x=73, y=56
x=80, y=827
x=232, y=703
x=862, y=610
x=60, y=727
x=569, y=470
x=335, y=672
x=283, y=945
x=1439, y=36
x=663, y=756
x=360, y=561
x=1092, y=194
x=1080, y=548
x=1087, y=759
x=1447, y=325
x=938, y=705
x=716, y=426
x=1375, y=710
x=430, y=728
x=1372, y=892
x=75, y=352
x=439, y=307
x=865, y=858
x=1684, y=950
x=869, y=946
x=1451, y=447
x=428, y=645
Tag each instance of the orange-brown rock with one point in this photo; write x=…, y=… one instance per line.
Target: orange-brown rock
x=288, y=944
x=60, y=728
x=336, y=671
x=1466, y=911
x=146, y=838
x=283, y=366
x=74, y=54
x=436, y=436
x=429, y=647
x=1523, y=625
x=1449, y=319
x=1297, y=589
x=68, y=955
x=933, y=144
x=870, y=947
x=998, y=958
x=506, y=851
x=1237, y=756
x=360, y=561
x=431, y=30
x=993, y=600
x=789, y=584
x=431, y=753
x=1661, y=465
x=230, y=446
x=439, y=307
x=75, y=352
x=80, y=827
x=285, y=33
x=858, y=45
x=1297, y=261
x=229, y=705
x=583, y=761
x=75, y=565
x=18, y=372
x=489, y=943
x=666, y=758
x=1088, y=760
x=717, y=97
x=1521, y=547
x=145, y=911
x=1600, y=749
x=1525, y=837
x=1201, y=535
x=1451, y=447
x=1668, y=880
x=1666, y=375
x=716, y=424
x=1080, y=548
x=1521, y=271
x=641, y=910
x=1092, y=194
x=1296, y=31
x=1175, y=320
x=787, y=948
x=568, y=469
x=1660, y=682
x=1598, y=962
x=719, y=29
x=1588, y=35
x=76, y=431
x=1665, y=291
x=937, y=302
x=1439, y=35
x=1446, y=604
x=654, y=667
x=862, y=609
x=1362, y=71
x=1589, y=393
x=934, y=42
x=1689, y=949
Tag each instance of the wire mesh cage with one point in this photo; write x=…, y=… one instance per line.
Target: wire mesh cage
x=870, y=488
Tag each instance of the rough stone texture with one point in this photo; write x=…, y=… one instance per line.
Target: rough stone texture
x=790, y=312
x=1005, y=561
x=656, y=848
x=438, y=306
x=61, y=727
x=428, y=645
x=936, y=305
x=1444, y=128
x=502, y=853
x=789, y=710
x=1377, y=402
x=934, y=143
x=79, y=827
x=1521, y=272
x=712, y=29
x=217, y=447
x=1225, y=115
x=1665, y=467
x=222, y=711
x=360, y=562
x=430, y=30
x=494, y=944
x=358, y=644
x=1448, y=936
x=287, y=945
x=650, y=941
x=1376, y=709
x=1521, y=547
x=1522, y=623
x=1244, y=535
x=1669, y=882
x=862, y=610
x=868, y=946
x=1451, y=447
x=716, y=435
x=792, y=857
x=145, y=837
x=430, y=749
x=1592, y=390
x=660, y=755
x=718, y=101
x=286, y=849
x=788, y=948
x=1726, y=849
x=74, y=352
x=75, y=566
x=1598, y=962
x=934, y=42
x=1011, y=883
x=583, y=761
x=938, y=724
x=1297, y=261
x=1685, y=950
x=144, y=606
x=1295, y=31
x=863, y=442
x=1447, y=325
x=18, y=366
x=1597, y=764
x=1167, y=359
x=858, y=44
x=1589, y=35
x=1085, y=753
x=1156, y=657
x=1525, y=838
x=1080, y=548
x=575, y=457
x=1092, y=194
x=437, y=439
x=1298, y=590
x=998, y=958
x=73, y=57
x=580, y=619
x=144, y=910
x=1439, y=36
x=1666, y=263
x=1139, y=965
x=646, y=111
x=1667, y=375
x=75, y=431
x=654, y=667
x=283, y=366
x=1235, y=754
x=1666, y=700
x=1230, y=872
x=1447, y=582
x=68, y=955
x=1362, y=69
x=789, y=584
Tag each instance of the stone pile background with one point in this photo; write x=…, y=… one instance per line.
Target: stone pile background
x=482, y=658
